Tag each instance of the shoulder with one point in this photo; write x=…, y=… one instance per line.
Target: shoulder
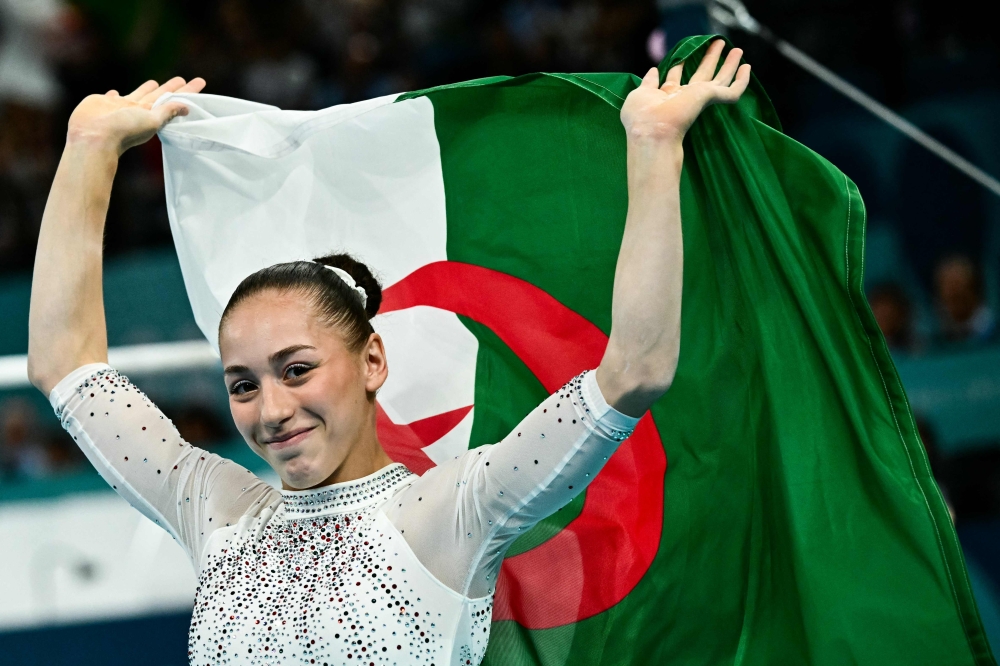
x=446, y=481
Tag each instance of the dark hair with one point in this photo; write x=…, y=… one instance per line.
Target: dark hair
x=336, y=303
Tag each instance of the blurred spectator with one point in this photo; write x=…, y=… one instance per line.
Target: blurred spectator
x=962, y=309
x=894, y=313
x=31, y=30
x=29, y=450
x=31, y=34
x=200, y=426
x=22, y=449
x=33, y=449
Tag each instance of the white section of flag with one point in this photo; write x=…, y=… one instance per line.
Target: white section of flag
x=249, y=185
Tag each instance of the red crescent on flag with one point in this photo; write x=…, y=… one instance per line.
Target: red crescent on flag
x=600, y=556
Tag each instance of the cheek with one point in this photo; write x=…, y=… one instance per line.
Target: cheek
x=327, y=401
x=315, y=400
x=335, y=393
x=245, y=416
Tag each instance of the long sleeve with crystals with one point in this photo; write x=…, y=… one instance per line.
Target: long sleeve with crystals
x=460, y=517
x=188, y=491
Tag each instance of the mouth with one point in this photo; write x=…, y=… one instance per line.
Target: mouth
x=290, y=438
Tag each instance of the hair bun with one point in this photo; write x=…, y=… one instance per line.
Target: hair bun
x=361, y=274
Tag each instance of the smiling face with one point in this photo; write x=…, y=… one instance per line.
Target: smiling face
x=300, y=397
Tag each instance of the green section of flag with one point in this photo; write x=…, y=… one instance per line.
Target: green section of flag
x=801, y=523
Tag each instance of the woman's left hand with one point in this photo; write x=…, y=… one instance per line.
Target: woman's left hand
x=666, y=112
x=117, y=123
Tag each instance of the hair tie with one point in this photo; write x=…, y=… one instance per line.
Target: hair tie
x=350, y=282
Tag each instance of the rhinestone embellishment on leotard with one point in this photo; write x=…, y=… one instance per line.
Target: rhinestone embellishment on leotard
x=105, y=380
x=575, y=387
x=344, y=496
x=315, y=589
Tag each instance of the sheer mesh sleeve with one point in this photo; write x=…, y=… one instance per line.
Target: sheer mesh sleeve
x=186, y=490
x=460, y=517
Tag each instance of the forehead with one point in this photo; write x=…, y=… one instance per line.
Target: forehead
x=269, y=321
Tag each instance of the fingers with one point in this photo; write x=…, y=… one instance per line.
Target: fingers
x=141, y=91
x=150, y=91
x=674, y=75
x=172, y=85
x=742, y=80
x=706, y=70
x=729, y=67
x=652, y=78
x=168, y=111
x=197, y=84
x=732, y=93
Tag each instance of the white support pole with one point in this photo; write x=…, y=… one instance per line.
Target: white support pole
x=134, y=359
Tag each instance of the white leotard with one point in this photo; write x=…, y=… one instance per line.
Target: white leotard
x=393, y=568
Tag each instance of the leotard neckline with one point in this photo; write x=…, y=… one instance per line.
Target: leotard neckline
x=346, y=496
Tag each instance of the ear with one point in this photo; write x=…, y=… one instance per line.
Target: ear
x=376, y=365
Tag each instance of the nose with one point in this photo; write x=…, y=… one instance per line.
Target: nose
x=277, y=406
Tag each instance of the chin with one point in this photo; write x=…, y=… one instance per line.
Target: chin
x=299, y=474
x=300, y=480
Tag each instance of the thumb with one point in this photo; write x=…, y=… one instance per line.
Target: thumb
x=169, y=111
x=652, y=78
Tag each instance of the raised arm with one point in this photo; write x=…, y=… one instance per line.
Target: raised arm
x=66, y=326
x=188, y=491
x=641, y=357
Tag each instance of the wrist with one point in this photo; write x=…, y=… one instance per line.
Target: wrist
x=655, y=133
x=645, y=152
x=95, y=143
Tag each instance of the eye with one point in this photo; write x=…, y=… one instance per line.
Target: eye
x=296, y=370
x=241, y=387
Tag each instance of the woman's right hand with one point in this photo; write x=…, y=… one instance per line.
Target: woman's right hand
x=667, y=112
x=117, y=123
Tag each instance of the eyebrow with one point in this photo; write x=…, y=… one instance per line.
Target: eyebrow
x=274, y=358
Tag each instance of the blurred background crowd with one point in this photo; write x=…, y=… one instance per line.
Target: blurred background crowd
x=934, y=235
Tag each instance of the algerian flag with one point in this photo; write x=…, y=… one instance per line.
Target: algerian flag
x=775, y=508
